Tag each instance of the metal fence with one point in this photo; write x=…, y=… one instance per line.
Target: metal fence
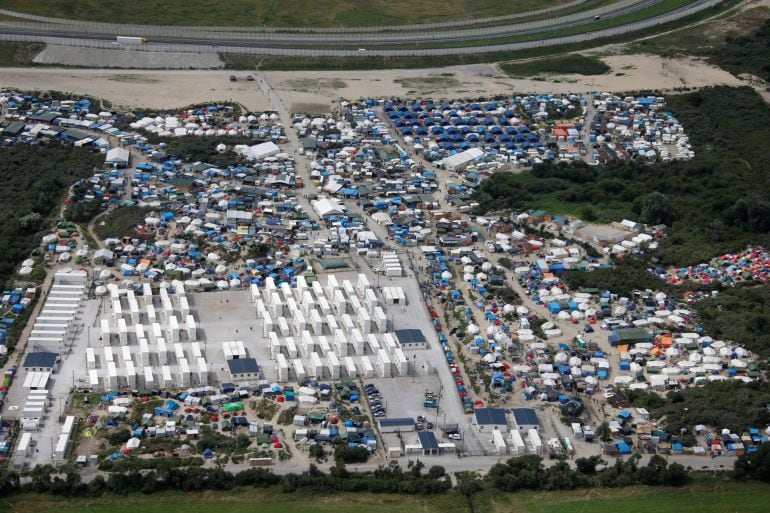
x=401, y=36
x=85, y=25
x=412, y=52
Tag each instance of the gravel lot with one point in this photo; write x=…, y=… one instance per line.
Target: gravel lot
x=101, y=58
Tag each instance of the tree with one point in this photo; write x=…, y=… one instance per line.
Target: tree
x=755, y=465
x=603, y=431
x=587, y=466
x=415, y=468
x=675, y=475
x=469, y=484
x=588, y=213
x=9, y=481
x=345, y=454
x=656, y=208
x=119, y=437
x=31, y=222
x=436, y=472
x=317, y=452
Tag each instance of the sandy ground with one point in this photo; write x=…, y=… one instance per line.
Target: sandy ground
x=316, y=91
x=139, y=88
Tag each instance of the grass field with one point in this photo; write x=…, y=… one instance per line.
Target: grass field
x=121, y=221
x=713, y=497
x=700, y=498
x=705, y=35
x=18, y=54
x=241, y=501
x=313, y=13
x=573, y=63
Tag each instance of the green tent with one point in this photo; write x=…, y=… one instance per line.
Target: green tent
x=233, y=407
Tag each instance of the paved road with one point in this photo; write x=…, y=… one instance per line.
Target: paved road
x=548, y=11
x=180, y=35
x=293, y=144
x=586, y=132
x=300, y=47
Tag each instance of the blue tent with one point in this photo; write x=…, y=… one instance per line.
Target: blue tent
x=623, y=448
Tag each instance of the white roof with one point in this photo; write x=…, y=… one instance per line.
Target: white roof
x=117, y=155
x=260, y=151
x=461, y=158
x=326, y=206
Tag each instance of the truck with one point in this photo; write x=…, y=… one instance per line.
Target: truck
x=131, y=40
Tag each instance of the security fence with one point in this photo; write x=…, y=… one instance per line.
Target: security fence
x=402, y=36
x=140, y=29
x=689, y=10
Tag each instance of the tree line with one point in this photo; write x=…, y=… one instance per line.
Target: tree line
x=168, y=476
x=519, y=473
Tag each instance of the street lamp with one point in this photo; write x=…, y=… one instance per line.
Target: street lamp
x=438, y=402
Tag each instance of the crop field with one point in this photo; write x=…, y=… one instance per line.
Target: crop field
x=315, y=13
x=713, y=497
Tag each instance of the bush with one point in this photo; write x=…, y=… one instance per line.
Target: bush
x=345, y=454
x=739, y=314
x=317, y=451
x=743, y=54
x=722, y=404
x=754, y=465
x=34, y=181
x=118, y=437
x=567, y=64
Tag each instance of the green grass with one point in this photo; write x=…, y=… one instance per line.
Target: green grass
x=701, y=498
x=18, y=54
x=705, y=35
x=566, y=64
x=241, y=501
x=266, y=63
x=121, y=222
x=715, y=497
x=274, y=63
x=661, y=8
x=309, y=13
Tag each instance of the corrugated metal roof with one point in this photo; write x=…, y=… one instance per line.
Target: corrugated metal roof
x=405, y=421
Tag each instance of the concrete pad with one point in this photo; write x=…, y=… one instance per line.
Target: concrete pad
x=102, y=58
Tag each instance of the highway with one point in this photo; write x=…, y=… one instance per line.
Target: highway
x=181, y=35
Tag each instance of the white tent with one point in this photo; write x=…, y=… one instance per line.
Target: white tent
x=258, y=151
x=327, y=207
x=117, y=156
